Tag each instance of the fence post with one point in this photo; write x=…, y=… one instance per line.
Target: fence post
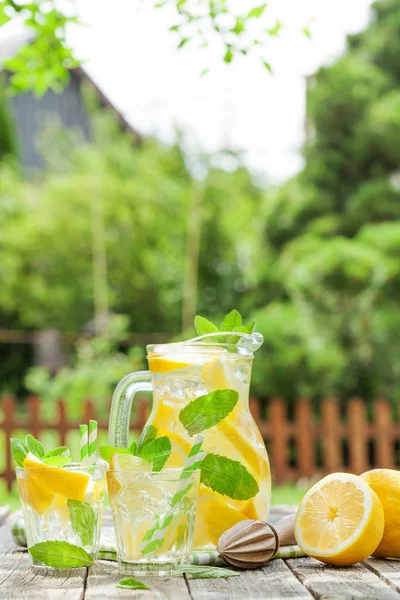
x=304, y=434
x=279, y=438
x=357, y=436
x=33, y=407
x=331, y=433
x=384, y=450
x=62, y=422
x=8, y=427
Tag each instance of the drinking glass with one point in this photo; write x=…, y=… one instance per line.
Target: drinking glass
x=140, y=502
x=63, y=504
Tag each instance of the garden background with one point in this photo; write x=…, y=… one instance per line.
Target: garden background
x=119, y=241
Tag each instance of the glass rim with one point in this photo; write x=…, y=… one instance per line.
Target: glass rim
x=167, y=471
x=245, y=347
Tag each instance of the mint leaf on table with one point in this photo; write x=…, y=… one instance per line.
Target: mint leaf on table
x=132, y=584
x=204, y=326
x=56, y=461
x=83, y=520
x=149, y=434
x=60, y=451
x=34, y=446
x=106, y=452
x=208, y=410
x=61, y=555
x=231, y=321
x=228, y=477
x=18, y=450
x=158, y=451
x=203, y=572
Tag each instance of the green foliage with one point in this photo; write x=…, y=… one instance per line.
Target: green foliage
x=8, y=140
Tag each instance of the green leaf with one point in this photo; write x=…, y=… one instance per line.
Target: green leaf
x=61, y=555
x=204, y=326
x=133, y=448
x=228, y=56
x=56, y=461
x=60, y=451
x=158, y=451
x=183, y=42
x=106, y=452
x=267, y=66
x=203, y=572
x=132, y=584
x=232, y=320
x=34, y=446
x=3, y=17
x=306, y=32
x=83, y=520
x=275, y=29
x=228, y=477
x=18, y=450
x=257, y=11
x=149, y=434
x=206, y=411
x=239, y=26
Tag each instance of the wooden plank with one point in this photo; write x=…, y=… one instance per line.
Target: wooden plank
x=274, y=581
x=383, y=439
x=18, y=580
x=387, y=570
x=330, y=427
x=279, y=438
x=104, y=577
x=357, y=436
x=344, y=583
x=304, y=438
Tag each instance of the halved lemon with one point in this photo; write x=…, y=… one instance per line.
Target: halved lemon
x=66, y=483
x=340, y=520
x=159, y=364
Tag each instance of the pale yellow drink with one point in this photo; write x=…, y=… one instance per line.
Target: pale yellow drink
x=182, y=374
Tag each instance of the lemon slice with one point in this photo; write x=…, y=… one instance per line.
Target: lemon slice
x=216, y=375
x=180, y=448
x=219, y=517
x=33, y=494
x=159, y=364
x=66, y=483
x=122, y=465
x=340, y=520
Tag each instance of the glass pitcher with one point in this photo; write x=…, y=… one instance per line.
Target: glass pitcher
x=179, y=373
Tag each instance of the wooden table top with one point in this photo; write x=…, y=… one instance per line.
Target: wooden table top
x=292, y=578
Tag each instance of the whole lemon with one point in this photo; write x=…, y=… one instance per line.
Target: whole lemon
x=386, y=485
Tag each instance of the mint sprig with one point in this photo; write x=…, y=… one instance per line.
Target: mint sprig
x=34, y=446
x=228, y=477
x=150, y=448
x=61, y=555
x=129, y=583
x=18, y=450
x=83, y=520
x=56, y=461
x=208, y=410
x=233, y=322
x=58, y=457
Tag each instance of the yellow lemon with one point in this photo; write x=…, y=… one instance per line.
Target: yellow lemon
x=340, y=520
x=58, y=481
x=219, y=517
x=159, y=364
x=386, y=485
x=180, y=448
x=33, y=494
x=121, y=465
x=216, y=375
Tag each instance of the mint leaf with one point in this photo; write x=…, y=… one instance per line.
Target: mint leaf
x=106, y=452
x=56, y=461
x=83, y=520
x=228, y=477
x=132, y=584
x=257, y=11
x=149, y=434
x=203, y=572
x=246, y=328
x=61, y=555
x=204, y=326
x=206, y=411
x=133, y=448
x=34, y=446
x=158, y=451
x=18, y=450
x=60, y=451
x=231, y=321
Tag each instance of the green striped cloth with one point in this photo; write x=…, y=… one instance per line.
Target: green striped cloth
x=108, y=552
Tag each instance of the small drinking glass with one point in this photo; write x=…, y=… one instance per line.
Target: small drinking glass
x=62, y=504
x=140, y=503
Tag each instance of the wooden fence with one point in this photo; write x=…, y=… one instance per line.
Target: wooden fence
x=300, y=447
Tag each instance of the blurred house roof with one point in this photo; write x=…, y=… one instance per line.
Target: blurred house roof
x=14, y=35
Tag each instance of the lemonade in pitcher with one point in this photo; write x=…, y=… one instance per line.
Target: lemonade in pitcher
x=203, y=385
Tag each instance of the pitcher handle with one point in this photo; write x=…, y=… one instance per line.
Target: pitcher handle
x=121, y=406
